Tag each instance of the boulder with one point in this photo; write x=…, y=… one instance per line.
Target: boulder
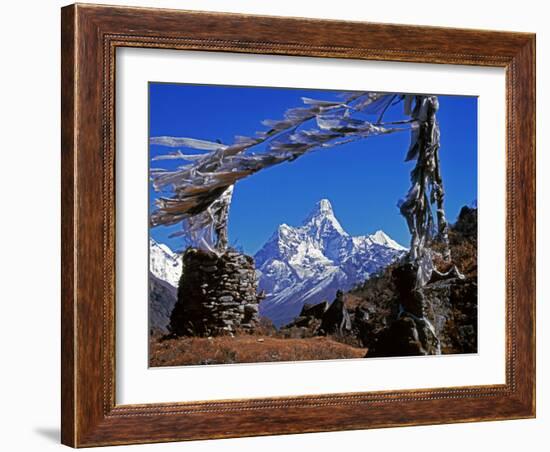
x=314, y=310
x=405, y=337
x=336, y=320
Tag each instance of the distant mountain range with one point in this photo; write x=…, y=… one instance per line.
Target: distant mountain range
x=297, y=265
x=164, y=274
x=164, y=263
x=309, y=263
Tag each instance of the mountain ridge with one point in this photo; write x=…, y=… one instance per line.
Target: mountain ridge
x=164, y=263
x=309, y=263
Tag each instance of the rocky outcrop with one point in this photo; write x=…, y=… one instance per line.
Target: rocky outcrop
x=216, y=294
x=439, y=318
x=411, y=332
x=401, y=338
x=321, y=319
x=453, y=314
x=389, y=317
x=336, y=319
x=314, y=310
x=307, y=323
x=162, y=298
x=466, y=223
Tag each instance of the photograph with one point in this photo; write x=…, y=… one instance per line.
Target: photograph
x=291, y=224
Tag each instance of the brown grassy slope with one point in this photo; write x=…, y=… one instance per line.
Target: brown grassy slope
x=246, y=349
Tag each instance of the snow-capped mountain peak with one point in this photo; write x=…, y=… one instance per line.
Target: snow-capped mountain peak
x=310, y=262
x=322, y=219
x=381, y=238
x=164, y=263
x=325, y=206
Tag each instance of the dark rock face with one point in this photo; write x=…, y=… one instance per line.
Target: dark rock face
x=162, y=298
x=411, y=332
x=314, y=310
x=466, y=223
x=454, y=314
x=400, y=339
x=412, y=300
x=336, y=319
x=439, y=318
x=307, y=323
x=321, y=319
x=216, y=294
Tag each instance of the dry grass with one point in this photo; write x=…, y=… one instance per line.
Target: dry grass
x=246, y=349
x=463, y=252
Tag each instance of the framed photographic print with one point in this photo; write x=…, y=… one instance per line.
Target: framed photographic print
x=278, y=225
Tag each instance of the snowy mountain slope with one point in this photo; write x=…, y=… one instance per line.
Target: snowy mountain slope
x=164, y=263
x=164, y=273
x=309, y=263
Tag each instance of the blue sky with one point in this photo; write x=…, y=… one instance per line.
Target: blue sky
x=363, y=180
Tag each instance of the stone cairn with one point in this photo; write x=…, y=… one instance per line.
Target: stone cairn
x=217, y=295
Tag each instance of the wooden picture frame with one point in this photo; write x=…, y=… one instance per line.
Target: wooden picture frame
x=90, y=36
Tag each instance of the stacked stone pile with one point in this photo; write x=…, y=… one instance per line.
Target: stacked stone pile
x=216, y=294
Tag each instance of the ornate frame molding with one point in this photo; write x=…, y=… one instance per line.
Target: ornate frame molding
x=90, y=37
